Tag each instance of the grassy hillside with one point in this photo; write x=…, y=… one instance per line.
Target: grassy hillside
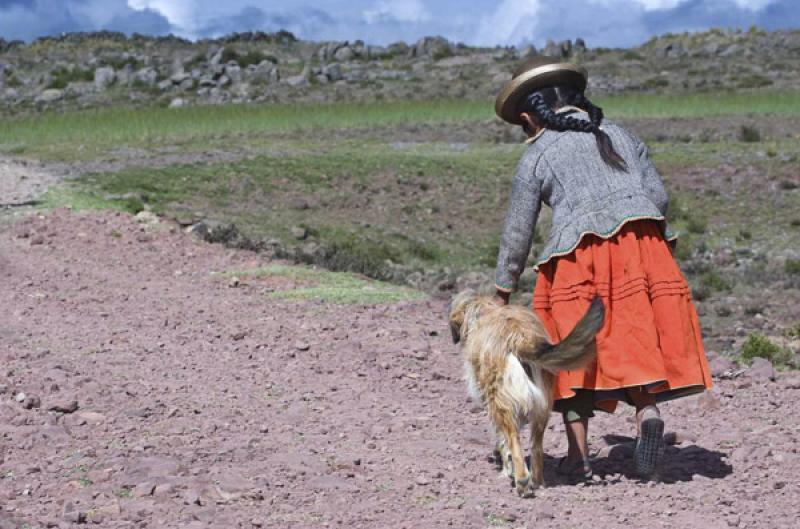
x=85, y=135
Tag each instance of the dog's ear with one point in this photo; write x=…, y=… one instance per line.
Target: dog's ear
x=455, y=331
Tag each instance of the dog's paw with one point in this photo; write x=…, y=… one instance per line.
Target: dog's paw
x=526, y=487
x=508, y=467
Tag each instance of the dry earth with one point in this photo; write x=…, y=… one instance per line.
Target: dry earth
x=139, y=389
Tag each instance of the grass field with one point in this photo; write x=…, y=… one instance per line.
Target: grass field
x=376, y=203
x=86, y=134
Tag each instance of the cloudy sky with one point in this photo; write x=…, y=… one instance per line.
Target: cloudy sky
x=478, y=22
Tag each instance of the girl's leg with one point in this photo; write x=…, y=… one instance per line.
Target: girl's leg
x=644, y=402
x=576, y=412
x=577, y=433
x=649, y=433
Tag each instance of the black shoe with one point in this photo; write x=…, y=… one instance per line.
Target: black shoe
x=650, y=444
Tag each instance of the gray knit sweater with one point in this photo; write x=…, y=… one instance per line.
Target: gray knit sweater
x=565, y=171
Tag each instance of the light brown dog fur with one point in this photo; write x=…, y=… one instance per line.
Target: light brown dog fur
x=499, y=342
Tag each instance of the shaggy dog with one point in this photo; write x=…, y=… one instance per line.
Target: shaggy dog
x=510, y=367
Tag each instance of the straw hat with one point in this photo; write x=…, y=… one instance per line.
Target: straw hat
x=531, y=75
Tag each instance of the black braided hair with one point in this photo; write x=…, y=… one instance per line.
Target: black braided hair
x=543, y=103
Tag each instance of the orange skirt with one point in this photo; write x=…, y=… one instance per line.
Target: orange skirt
x=651, y=335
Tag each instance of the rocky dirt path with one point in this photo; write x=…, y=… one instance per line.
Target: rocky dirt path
x=22, y=181
x=138, y=389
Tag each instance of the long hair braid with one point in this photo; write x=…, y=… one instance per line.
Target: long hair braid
x=543, y=110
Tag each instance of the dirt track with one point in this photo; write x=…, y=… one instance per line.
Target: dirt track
x=200, y=405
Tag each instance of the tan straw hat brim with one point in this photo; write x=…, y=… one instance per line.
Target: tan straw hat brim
x=517, y=89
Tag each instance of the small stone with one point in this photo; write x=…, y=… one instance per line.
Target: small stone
x=299, y=233
x=67, y=405
x=178, y=102
x=31, y=401
x=142, y=490
x=163, y=489
x=20, y=397
x=192, y=497
x=99, y=515
x=234, y=282
x=302, y=346
x=146, y=217
x=72, y=514
x=422, y=480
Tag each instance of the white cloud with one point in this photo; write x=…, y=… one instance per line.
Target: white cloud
x=754, y=5
x=658, y=4
x=179, y=13
x=511, y=22
x=397, y=10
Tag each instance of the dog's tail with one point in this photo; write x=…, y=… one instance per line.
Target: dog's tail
x=573, y=352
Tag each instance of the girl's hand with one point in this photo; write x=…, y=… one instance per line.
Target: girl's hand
x=501, y=297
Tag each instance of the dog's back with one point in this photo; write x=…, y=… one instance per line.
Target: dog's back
x=498, y=368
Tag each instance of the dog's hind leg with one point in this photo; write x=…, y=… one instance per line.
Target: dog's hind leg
x=538, y=426
x=506, y=423
x=503, y=455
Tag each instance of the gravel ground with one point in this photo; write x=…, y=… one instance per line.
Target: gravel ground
x=138, y=389
x=22, y=181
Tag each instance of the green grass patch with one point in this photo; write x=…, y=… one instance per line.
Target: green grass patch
x=57, y=134
x=333, y=287
x=759, y=346
x=367, y=202
x=80, y=199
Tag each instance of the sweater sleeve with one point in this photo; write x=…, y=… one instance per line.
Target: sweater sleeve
x=651, y=181
x=523, y=212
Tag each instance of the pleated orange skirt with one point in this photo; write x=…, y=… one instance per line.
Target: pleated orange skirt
x=651, y=335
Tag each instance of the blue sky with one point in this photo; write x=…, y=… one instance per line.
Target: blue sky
x=478, y=22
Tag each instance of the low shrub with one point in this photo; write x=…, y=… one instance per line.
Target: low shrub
x=792, y=266
x=759, y=346
x=712, y=280
x=63, y=76
x=696, y=225
x=749, y=134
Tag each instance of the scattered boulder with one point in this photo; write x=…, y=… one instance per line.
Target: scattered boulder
x=332, y=71
x=344, y=54
x=104, y=77
x=50, y=95
x=301, y=80
x=179, y=77
x=761, y=369
x=433, y=47
x=146, y=76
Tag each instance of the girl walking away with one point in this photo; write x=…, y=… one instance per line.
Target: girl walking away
x=609, y=238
